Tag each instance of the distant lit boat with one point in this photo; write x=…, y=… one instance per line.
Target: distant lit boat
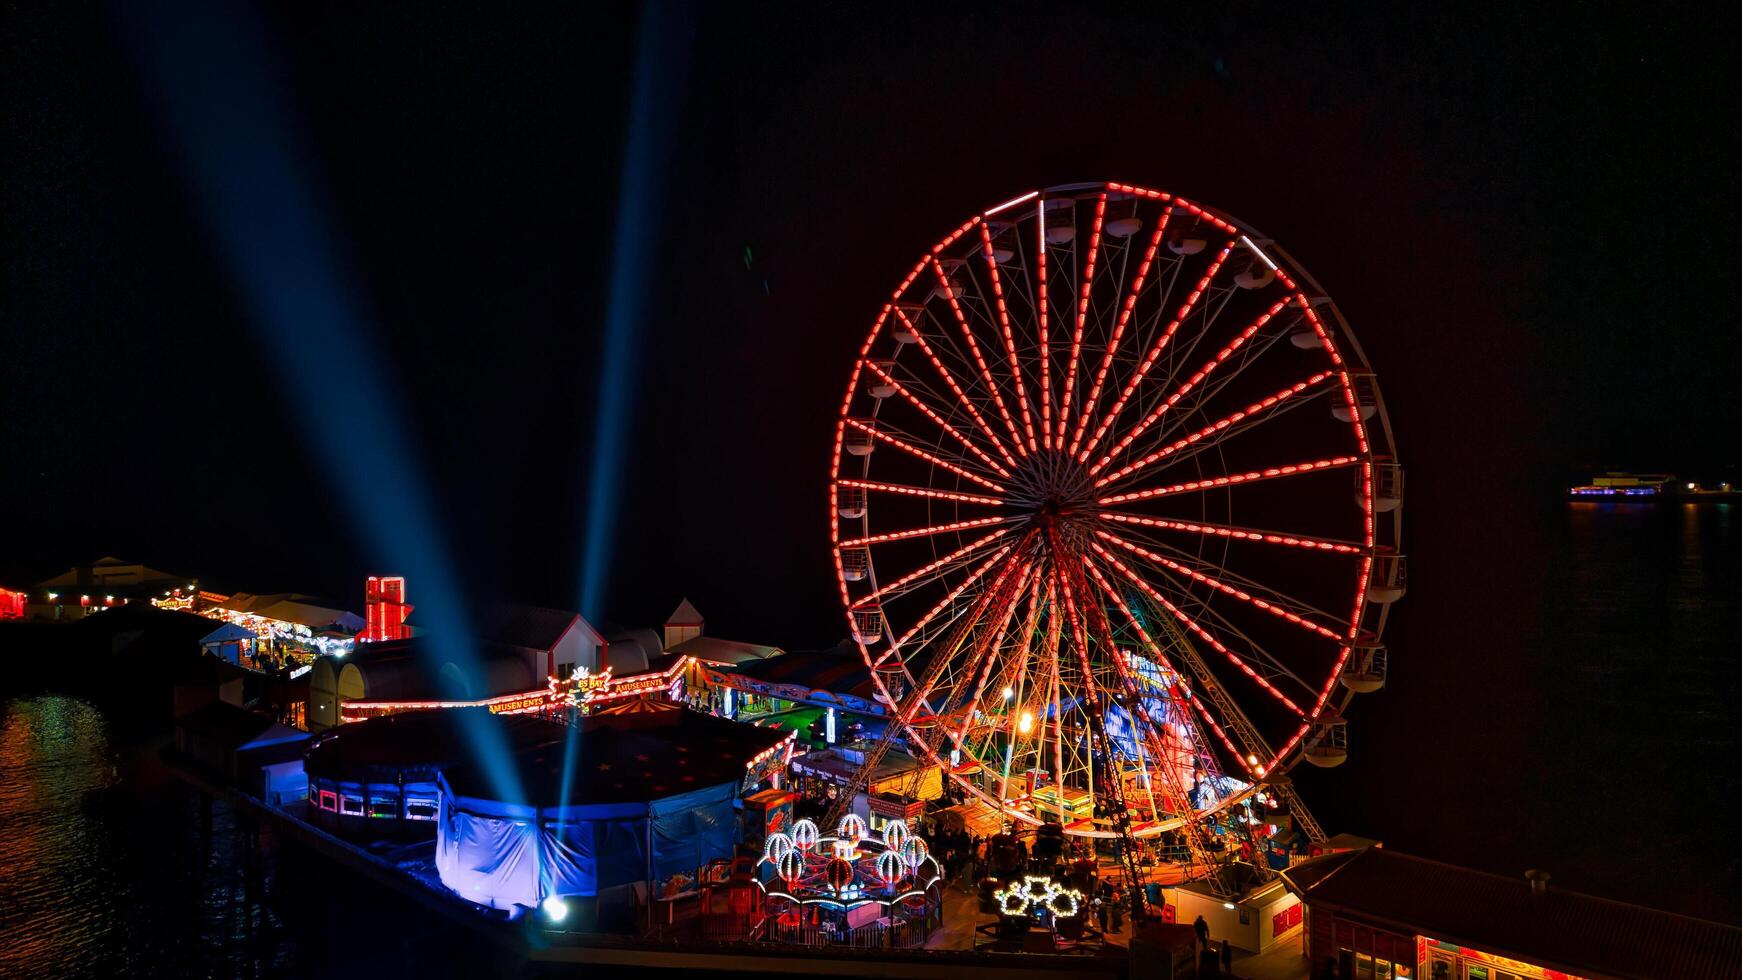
x=1648, y=486
x=1595, y=491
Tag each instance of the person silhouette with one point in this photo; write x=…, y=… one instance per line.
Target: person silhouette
x=1202, y=928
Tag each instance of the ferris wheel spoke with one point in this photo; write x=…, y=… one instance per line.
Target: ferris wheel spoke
x=1009, y=335
x=907, y=491
x=949, y=289
x=950, y=598
x=1081, y=626
x=1227, y=576
x=1284, y=609
x=954, y=386
x=1155, y=350
x=1257, y=758
x=1238, y=533
x=924, y=572
x=1191, y=624
x=1086, y=414
x=1058, y=747
x=932, y=414
x=1180, y=694
x=1215, y=432
x=965, y=697
x=923, y=532
x=1083, y=292
x=1192, y=382
x=1253, y=476
x=1269, y=412
x=924, y=687
x=958, y=467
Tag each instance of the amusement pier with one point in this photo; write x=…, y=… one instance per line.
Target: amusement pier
x=1115, y=516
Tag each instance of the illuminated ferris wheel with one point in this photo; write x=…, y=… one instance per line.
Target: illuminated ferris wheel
x=1115, y=511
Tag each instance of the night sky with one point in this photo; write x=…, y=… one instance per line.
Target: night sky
x=1527, y=220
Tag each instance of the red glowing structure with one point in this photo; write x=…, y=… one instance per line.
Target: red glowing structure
x=1116, y=512
x=385, y=609
x=11, y=604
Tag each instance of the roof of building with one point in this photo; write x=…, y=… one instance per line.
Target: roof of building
x=420, y=741
x=222, y=631
x=237, y=728
x=517, y=624
x=835, y=762
x=293, y=607
x=109, y=565
x=412, y=669
x=624, y=758
x=718, y=651
x=684, y=615
x=839, y=670
x=533, y=627
x=1562, y=929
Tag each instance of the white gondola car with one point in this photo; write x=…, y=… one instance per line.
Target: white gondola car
x=850, y=502
x=868, y=623
x=877, y=383
x=855, y=563
x=1364, y=672
x=1366, y=400
x=857, y=440
x=1181, y=245
x=1387, y=485
x=1390, y=578
x=1327, y=743
x=903, y=327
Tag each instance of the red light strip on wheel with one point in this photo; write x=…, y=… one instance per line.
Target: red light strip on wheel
x=1221, y=586
x=1157, y=747
x=1009, y=335
x=953, y=556
x=984, y=670
x=931, y=458
x=1082, y=319
x=1155, y=649
x=1207, y=216
x=979, y=571
x=935, y=417
x=979, y=358
x=965, y=498
x=1224, y=481
x=1192, y=625
x=1190, y=383
x=918, y=699
x=955, y=388
x=1254, y=409
x=1224, y=531
x=1155, y=350
x=1125, y=311
x=1045, y=321
x=921, y=532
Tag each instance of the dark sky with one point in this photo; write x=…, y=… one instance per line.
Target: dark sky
x=1527, y=220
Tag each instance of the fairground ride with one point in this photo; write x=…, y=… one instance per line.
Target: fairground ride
x=1116, y=516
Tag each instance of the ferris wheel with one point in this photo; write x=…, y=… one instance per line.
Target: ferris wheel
x=1115, y=511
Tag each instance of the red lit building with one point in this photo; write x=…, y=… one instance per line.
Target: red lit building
x=384, y=609
x=1378, y=915
x=12, y=604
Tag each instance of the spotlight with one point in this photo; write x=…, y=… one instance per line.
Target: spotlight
x=556, y=910
x=1009, y=693
x=1228, y=905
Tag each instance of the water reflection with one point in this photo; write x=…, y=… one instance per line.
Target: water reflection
x=106, y=870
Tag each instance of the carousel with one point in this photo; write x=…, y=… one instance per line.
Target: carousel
x=853, y=888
